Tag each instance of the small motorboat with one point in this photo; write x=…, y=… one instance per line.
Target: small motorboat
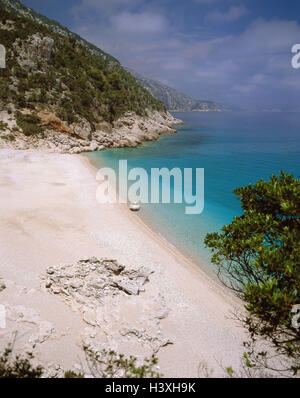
x=135, y=206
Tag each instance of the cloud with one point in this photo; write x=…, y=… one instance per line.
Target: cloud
x=208, y=2
x=252, y=68
x=232, y=14
x=85, y=7
x=143, y=22
x=249, y=67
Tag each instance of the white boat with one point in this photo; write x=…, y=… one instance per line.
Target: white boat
x=135, y=207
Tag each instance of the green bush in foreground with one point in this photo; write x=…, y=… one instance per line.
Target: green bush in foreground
x=258, y=256
x=107, y=364
x=17, y=367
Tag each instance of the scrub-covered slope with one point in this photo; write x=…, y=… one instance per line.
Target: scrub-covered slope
x=58, y=87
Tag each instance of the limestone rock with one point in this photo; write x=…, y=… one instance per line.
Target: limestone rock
x=129, y=287
x=82, y=129
x=129, y=131
x=109, y=297
x=36, y=48
x=94, y=279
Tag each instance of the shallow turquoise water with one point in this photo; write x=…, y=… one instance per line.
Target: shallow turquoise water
x=234, y=150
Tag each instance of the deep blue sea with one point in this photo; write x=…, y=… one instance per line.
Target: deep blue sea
x=234, y=149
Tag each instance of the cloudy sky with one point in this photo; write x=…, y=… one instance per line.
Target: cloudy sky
x=231, y=51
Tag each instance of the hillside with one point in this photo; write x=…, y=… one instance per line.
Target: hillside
x=59, y=89
x=173, y=99
x=16, y=7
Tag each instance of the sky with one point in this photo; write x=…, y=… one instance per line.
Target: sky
x=234, y=52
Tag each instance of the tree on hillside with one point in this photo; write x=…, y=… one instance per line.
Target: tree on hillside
x=258, y=256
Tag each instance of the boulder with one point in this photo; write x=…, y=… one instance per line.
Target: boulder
x=82, y=129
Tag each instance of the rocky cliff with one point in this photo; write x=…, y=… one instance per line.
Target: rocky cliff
x=60, y=93
x=173, y=99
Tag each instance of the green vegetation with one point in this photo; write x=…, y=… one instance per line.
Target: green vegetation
x=3, y=126
x=107, y=364
x=73, y=375
x=258, y=256
x=17, y=7
x=30, y=124
x=17, y=367
x=9, y=137
x=69, y=78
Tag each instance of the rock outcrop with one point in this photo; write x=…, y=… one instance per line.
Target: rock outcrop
x=110, y=298
x=35, y=50
x=173, y=99
x=130, y=130
x=90, y=280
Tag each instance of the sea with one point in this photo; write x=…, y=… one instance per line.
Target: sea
x=234, y=149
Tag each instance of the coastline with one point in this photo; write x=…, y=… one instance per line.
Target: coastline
x=50, y=217
x=130, y=130
x=199, y=270
x=200, y=267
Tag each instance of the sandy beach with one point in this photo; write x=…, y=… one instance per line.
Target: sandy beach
x=50, y=216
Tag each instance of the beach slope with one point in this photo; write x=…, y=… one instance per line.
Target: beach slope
x=151, y=299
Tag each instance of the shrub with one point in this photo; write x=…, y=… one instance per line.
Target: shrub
x=29, y=124
x=3, y=125
x=17, y=367
x=9, y=137
x=258, y=256
x=73, y=375
x=107, y=364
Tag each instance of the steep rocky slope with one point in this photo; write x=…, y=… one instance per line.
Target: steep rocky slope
x=16, y=7
x=59, y=92
x=173, y=99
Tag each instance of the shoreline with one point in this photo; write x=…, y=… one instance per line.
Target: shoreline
x=130, y=130
x=200, y=269
x=199, y=264
x=50, y=218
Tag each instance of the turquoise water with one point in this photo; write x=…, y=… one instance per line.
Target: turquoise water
x=234, y=150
